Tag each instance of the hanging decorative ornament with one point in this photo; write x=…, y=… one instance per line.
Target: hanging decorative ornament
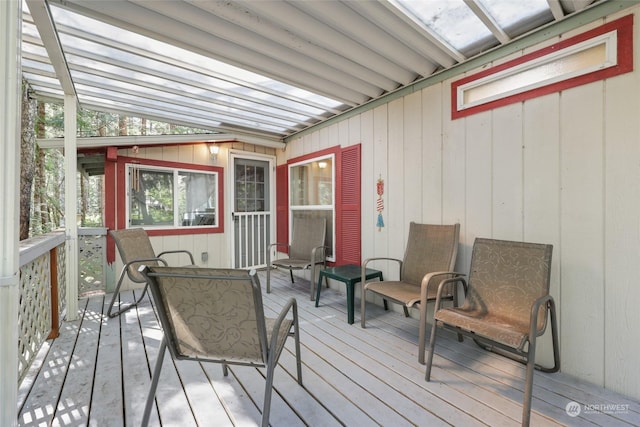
x=380, y=203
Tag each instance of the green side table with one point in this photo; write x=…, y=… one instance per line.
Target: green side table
x=349, y=274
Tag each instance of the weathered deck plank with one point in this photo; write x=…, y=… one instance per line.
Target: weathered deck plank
x=98, y=373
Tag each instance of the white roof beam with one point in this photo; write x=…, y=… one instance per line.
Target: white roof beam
x=183, y=35
x=232, y=11
x=44, y=22
x=230, y=31
x=425, y=31
x=348, y=22
x=556, y=9
x=126, y=141
x=483, y=14
x=410, y=36
x=283, y=13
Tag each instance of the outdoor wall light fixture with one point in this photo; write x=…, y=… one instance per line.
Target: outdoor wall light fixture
x=214, y=150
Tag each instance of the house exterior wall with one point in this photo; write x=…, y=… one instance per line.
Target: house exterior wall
x=563, y=169
x=216, y=245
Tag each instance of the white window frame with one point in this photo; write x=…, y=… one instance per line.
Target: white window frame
x=176, y=213
x=332, y=207
x=608, y=40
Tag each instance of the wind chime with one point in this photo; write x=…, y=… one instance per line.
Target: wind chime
x=380, y=203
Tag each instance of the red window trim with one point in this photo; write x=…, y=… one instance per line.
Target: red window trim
x=122, y=196
x=624, y=26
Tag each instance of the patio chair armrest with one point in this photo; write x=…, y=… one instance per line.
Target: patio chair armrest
x=442, y=284
x=290, y=306
x=275, y=244
x=535, y=310
x=314, y=252
x=137, y=261
x=424, y=285
x=178, y=251
x=368, y=260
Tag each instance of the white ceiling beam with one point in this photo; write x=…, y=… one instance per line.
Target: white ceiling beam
x=296, y=60
x=157, y=26
x=191, y=67
x=483, y=14
x=556, y=9
x=351, y=24
x=250, y=21
x=151, y=102
x=414, y=38
x=425, y=31
x=127, y=141
x=309, y=28
x=46, y=28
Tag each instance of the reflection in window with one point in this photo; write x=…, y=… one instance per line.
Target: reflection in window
x=250, y=188
x=311, y=193
x=165, y=197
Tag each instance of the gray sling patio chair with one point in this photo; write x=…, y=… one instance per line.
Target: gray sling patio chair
x=430, y=257
x=216, y=315
x=135, y=250
x=307, y=249
x=506, y=305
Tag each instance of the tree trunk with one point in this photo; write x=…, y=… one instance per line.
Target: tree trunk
x=27, y=159
x=122, y=126
x=41, y=217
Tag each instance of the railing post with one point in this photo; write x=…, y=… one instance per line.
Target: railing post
x=55, y=309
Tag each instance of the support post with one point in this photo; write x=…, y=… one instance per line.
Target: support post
x=71, y=203
x=10, y=87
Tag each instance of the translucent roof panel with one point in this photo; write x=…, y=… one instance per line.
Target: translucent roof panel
x=260, y=69
x=451, y=20
x=118, y=61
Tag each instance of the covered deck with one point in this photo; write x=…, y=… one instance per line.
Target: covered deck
x=98, y=373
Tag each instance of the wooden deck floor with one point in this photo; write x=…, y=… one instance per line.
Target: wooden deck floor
x=98, y=373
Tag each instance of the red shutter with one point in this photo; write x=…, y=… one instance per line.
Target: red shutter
x=282, y=204
x=348, y=204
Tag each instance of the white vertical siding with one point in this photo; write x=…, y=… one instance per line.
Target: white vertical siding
x=561, y=169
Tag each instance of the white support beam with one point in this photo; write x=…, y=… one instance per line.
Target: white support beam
x=131, y=140
x=10, y=84
x=44, y=23
x=556, y=9
x=483, y=14
x=71, y=204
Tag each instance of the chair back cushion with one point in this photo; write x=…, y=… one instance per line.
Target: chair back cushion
x=308, y=233
x=211, y=314
x=134, y=244
x=506, y=278
x=430, y=248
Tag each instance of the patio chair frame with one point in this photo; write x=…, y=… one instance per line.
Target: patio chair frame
x=269, y=331
x=298, y=259
x=132, y=264
x=525, y=352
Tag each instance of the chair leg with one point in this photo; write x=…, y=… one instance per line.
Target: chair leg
x=432, y=346
x=116, y=292
x=296, y=339
x=422, y=332
x=268, y=278
x=312, y=282
x=528, y=386
x=154, y=383
x=291, y=274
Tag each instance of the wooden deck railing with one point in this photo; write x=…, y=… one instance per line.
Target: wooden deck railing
x=42, y=294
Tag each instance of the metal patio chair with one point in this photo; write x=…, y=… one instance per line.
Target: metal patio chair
x=135, y=250
x=430, y=257
x=307, y=249
x=216, y=315
x=506, y=305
